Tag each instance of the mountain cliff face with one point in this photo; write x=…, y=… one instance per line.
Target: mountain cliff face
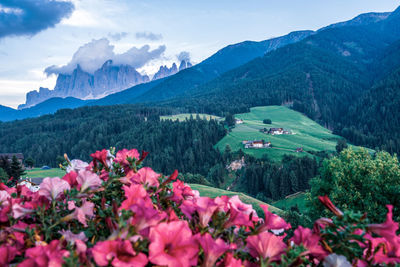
x=164, y=71
x=80, y=84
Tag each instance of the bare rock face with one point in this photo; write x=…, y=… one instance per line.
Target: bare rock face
x=164, y=71
x=80, y=84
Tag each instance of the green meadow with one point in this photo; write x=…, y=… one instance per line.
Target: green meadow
x=37, y=172
x=306, y=133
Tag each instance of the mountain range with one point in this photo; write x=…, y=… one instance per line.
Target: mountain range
x=328, y=65
x=108, y=79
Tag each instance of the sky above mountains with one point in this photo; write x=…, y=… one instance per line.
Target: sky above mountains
x=41, y=38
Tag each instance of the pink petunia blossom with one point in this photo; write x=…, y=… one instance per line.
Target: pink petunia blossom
x=310, y=241
x=19, y=211
x=43, y=256
x=119, y=253
x=52, y=188
x=70, y=178
x=388, y=228
x=266, y=246
x=205, y=207
x=123, y=155
x=239, y=213
x=145, y=216
x=71, y=237
x=181, y=191
x=329, y=205
x=145, y=176
x=172, y=245
x=272, y=221
x=133, y=193
x=104, y=157
x=88, y=180
x=7, y=254
x=230, y=261
x=81, y=213
x=4, y=196
x=213, y=249
x=76, y=165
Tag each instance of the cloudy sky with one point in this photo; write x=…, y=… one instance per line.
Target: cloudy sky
x=41, y=38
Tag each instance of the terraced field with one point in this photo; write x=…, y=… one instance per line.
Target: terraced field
x=306, y=133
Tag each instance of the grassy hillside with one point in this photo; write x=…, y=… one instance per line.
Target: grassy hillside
x=287, y=203
x=305, y=133
x=184, y=116
x=37, y=172
x=213, y=192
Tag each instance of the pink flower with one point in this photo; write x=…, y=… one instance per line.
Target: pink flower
x=144, y=176
x=43, y=256
x=266, y=246
x=104, y=157
x=80, y=214
x=117, y=252
x=205, y=207
x=236, y=203
x=7, y=254
x=4, y=196
x=272, y=221
x=329, y=205
x=70, y=178
x=172, y=244
x=181, y=191
x=19, y=211
x=222, y=203
x=310, y=241
x=71, y=237
x=52, y=188
x=145, y=216
x=230, y=261
x=77, y=165
x=239, y=213
x=388, y=228
x=133, y=193
x=88, y=179
x=213, y=249
x=123, y=155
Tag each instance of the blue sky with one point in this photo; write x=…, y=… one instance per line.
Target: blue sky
x=52, y=36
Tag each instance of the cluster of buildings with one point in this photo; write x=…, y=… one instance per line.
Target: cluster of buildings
x=275, y=131
x=238, y=121
x=256, y=144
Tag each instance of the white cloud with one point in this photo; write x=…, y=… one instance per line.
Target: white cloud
x=81, y=18
x=92, y=56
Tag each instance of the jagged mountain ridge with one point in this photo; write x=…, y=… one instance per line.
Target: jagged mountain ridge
x=108, y=79
x=80, y=84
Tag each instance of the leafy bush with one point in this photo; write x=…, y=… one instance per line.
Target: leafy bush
x=267, y=121
x=358, y=181
x=115, y=212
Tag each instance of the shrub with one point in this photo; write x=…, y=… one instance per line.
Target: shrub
x=267, y=121
x=116, y=212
